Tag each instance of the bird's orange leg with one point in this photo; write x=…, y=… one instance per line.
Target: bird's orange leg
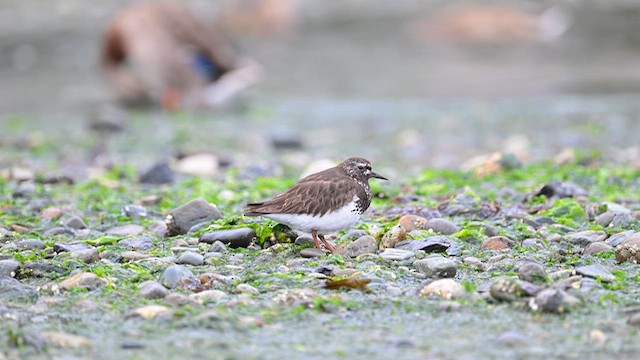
x=326, y=244
x=314, y=234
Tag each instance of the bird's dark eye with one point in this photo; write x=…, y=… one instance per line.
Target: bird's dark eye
x=361, y=167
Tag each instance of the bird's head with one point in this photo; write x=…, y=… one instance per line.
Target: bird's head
x=360, y=168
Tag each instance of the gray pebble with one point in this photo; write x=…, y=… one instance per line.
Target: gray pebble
x=159, y=173
x=396, y=254
x=59, y=230
x=152, y=290
x=312, y=252
x=75, y=222
x=364, y=245
x=87, y=255
x=190, y=258
x=125, y=230
x=304, y=240
x=533, y=272
x=605, y=218
x=173, y=274
x=474, y=263
x=615, y=239
x=436, y=267
x=442, y=226
x=12, y=290
x=24, y=190
x=64, y=247
x=134, y=211
x=584, y=238
x=235, y=238
x=139, y=243
x=430, y=244
x=595, y=271
x=352, y=234
x=596, y=248
x=218, y=247
x=196, y=211
x=30, y=244
x=9, y=267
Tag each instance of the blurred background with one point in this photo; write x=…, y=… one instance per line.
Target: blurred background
x=406, y=83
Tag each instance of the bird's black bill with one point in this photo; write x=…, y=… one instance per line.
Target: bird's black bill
x=377, y=176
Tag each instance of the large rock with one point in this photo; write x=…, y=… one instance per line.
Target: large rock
x=235, y=238
x=196, y=211
x=364, y=245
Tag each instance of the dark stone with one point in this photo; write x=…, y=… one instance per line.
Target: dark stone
x=561, y=189
x=431, y=244
x=286, y=140
x=312, y=252
x=235, y=238
x=196, y=211
x=159, y=173
x=30, y=244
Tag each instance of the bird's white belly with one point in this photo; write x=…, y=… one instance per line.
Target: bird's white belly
x=328, y=223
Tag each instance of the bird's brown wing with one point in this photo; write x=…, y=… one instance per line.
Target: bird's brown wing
x=312, y=195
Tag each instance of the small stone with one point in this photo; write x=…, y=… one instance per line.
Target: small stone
x=506, y=289
x=605, y=218
x=629, y=249
x=392, y=237
x=60, y=247
x=51, y=213
x=148, y=200
x=190, y=258
x=173, y=274
x=87, y=255
x=474, y=263
x=235, y=238
x=125, y=230
x=59, y=230
x=396, y=254
x=596, y=248
x=436, y=267
x=553, y=301
x=596, y=271
x=615, y=239
x=159, y=228
x=623, y=221
x=175, y=299
x=75, y=222
x=412, y=222
x=9, y=267
x=151, y=311
x=65, y=340
x=495, y=243
x=353, y=234
x=24, y=190
x=152, y=290
x=129, y=256
x=196, y=211
x=30, y=244
x=291, y=297
x=364, y=245
x=312, y=252
x=218, y=247
x=13, y=290
x=134, y=211
x=208, y=296
x=247, y=289
x=85, y=280
x=19, y=228
x=142, y=243
x=40, y=268
x=200, y=164
x=584, y=238
x=430, y=244
x=634, y=319
x=442, y=226
x=530, y=242
x=304, y=240
x=532, y=272
x=443, y=288
x=158, y=174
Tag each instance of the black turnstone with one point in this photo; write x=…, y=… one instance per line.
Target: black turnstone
x=324, y=202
